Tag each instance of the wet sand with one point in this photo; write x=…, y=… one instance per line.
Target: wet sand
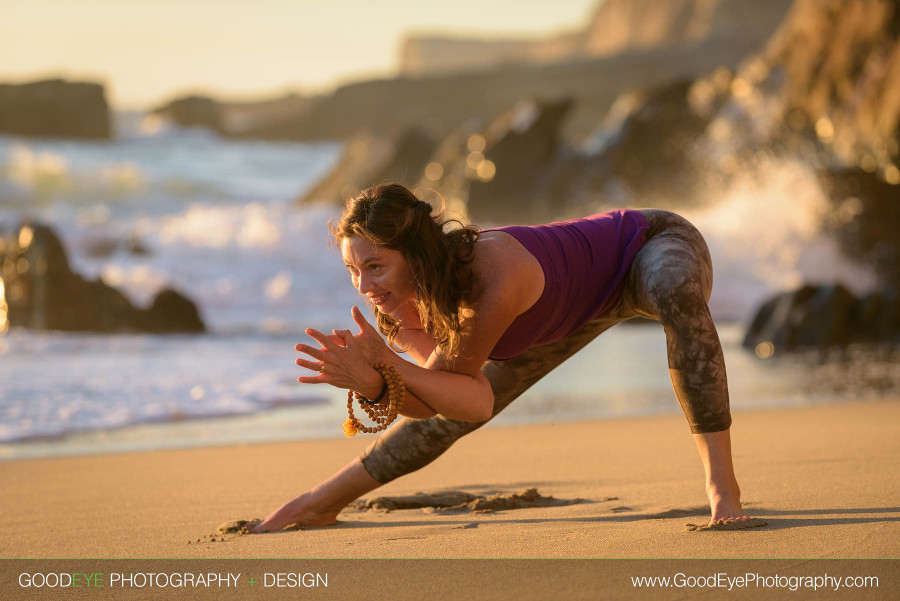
x=824, y=478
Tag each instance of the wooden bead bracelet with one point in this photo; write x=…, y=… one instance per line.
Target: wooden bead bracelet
x=382, y=413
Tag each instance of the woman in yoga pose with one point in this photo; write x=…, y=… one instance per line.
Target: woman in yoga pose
x=486, y=314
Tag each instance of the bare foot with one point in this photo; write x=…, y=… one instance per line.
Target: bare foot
x=725, y=504
x=297, y=513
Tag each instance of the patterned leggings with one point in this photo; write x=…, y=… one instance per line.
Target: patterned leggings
x=669, y=281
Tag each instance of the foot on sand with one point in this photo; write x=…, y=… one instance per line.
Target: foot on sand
x=726, y=525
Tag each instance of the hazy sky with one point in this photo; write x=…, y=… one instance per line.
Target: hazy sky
x=146, y=51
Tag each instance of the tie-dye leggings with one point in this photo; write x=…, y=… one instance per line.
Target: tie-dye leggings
x=669, y=281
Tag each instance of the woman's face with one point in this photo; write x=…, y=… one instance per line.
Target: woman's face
x=382, y=274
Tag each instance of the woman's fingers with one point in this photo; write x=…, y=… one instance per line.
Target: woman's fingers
x=315, y=353
x=346, y=337
x=321, y=338
x=360, y=320
x=313, y=365
x=339, y=338
x=319, y=379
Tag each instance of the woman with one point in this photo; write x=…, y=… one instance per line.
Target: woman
x=487, y=314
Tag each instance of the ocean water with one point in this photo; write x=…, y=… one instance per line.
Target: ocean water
x=219, y=221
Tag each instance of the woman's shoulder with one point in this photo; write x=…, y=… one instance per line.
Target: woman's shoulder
x=503, y=268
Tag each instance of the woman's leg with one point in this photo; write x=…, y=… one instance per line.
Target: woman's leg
x=670, y=280
x=412, y=444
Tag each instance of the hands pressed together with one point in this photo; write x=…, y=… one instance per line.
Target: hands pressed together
x=345, y=360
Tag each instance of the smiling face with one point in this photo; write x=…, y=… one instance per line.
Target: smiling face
x=381, y=274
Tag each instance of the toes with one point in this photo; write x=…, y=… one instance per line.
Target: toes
x=722, y=524
x=730, y=519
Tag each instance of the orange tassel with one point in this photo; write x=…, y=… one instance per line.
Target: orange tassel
x=349, y=428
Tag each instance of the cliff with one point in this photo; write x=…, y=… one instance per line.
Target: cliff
x=616, y=26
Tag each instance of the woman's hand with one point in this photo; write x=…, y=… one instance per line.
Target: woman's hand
x=345, y=360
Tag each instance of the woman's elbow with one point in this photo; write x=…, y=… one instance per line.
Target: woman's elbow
x=485, y=409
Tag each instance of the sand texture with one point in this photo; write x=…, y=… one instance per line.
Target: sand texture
x=823, y=478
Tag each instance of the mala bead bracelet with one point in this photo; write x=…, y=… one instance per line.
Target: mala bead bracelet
x=380, y=412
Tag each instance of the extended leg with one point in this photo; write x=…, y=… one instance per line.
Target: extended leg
x=670, y=280
x=412, y=444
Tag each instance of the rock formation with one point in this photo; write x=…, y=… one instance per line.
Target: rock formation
x=55, y=108
x=441, y=103
x=191, y=111
x=616, y=26
x=369, y=160
x=41, y=292
x=822, y=317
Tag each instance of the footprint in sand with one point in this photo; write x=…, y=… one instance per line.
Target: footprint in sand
x=742, y=525
x=455, y=501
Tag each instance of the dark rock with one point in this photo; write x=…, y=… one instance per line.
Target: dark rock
x=776, y=319
x=42, y=292
x=654, y=154
x=865, y=217
x=878, y=315
x=823, y=317
x=101, y=248
x=521, y=144
x=250, y=119
x=173, y=312
x=371, y=159
x=827, y=319
x=55, y=108
x=501, y=171
x=192, y=111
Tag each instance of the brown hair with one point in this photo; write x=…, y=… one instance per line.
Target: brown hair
x=391, y=216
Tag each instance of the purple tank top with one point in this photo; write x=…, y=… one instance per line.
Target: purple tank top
x=584, y=263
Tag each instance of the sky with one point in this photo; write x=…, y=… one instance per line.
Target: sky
x=149, y=51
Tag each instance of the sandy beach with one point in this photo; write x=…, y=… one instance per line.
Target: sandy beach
x=824, y=477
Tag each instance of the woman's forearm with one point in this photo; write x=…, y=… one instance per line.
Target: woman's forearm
x=414, y=407
x=453, y=395
x=430, y=391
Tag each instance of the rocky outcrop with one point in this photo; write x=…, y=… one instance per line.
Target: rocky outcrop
x=840, y=66
x=55, y=108
x=506, y=169
x=369, y=160
x=822, y=317
x=865, y=219
x=249, y=119
x=650, y=152
x=827, y=84
x=616, y=26
x=827, y=89
x=42, y=292
x=440, y=105
x=670, y=144
x=194, y=111
x=441, y=55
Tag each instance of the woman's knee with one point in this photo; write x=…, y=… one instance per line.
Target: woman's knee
x=671, y=273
